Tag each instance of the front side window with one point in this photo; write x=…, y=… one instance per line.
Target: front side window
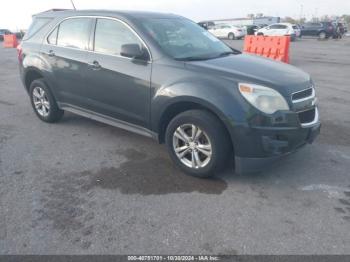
x=111, y=35
x=183, y=39
x=74, y=33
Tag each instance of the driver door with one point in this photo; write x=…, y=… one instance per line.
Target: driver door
x=118, y=86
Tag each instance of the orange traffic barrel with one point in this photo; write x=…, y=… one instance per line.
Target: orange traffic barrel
x=10, y=41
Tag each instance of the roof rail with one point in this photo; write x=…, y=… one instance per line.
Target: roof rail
x=51, y=11
x=56, y=10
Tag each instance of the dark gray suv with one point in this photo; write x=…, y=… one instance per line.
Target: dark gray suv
x=165, y=77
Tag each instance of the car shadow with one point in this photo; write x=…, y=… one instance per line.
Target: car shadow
x=148, y=170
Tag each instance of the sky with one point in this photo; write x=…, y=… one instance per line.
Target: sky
x=17, y=14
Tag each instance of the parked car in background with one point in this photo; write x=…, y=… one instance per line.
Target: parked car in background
x=4, y=32
x=206, y=24
x=297, y=30
x=322, y=30
x=280, y=29
x=251, y=29
x=228, y=31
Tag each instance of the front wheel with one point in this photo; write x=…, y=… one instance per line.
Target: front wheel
x=198, y=143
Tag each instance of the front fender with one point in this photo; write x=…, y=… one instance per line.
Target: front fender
x=218, y=96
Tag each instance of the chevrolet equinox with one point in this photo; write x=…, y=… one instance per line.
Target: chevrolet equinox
x=165, y=77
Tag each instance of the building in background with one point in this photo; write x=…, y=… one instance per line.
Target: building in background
x=252, y=20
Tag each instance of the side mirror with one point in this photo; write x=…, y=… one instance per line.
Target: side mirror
x=132, y=51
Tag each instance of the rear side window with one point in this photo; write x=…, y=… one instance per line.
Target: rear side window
x=37, y=24
x=110, y=35
x=73, y=33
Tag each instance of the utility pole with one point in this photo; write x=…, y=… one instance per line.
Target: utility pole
x=301, y=11
x=73, y=4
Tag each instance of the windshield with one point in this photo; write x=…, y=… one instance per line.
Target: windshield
x=183, y=39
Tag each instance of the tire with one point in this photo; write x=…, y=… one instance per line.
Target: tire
x=322, y=36
x=231, y=36
x=211, y=134
x=43, y=102
x=261, y=34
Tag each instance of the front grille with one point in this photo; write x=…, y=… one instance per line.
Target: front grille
x=307, y=116
x=305, y=94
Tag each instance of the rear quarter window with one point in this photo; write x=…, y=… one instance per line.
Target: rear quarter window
x=37, y=24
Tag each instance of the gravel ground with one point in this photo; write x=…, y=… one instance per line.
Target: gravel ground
x=82, y=187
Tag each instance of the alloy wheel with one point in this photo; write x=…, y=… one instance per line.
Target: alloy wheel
x=192, y=146
x=322, y=35
x=41, y=101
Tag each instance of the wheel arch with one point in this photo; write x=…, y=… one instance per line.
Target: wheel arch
x=179, y=106
x=31, y=75
x=322, y=32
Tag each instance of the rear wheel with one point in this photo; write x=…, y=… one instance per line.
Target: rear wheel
x=198, y=143
x=43, y=102
x=322, y=35
x=261, y=34
x=231, y=36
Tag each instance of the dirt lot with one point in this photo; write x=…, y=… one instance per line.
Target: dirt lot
x=81, y=187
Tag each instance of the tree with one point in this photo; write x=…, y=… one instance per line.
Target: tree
x=325, y=18
x=346, y=18
x=289, y=19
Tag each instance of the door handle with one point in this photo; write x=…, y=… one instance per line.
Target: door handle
x=94, y=65
x=51, y=53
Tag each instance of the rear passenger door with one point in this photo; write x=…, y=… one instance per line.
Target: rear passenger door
x=66, y=51
x=315, y=28
x=117, y=86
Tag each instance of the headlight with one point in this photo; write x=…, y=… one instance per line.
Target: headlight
x=263, y=98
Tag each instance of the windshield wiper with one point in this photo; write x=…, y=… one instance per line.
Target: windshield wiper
x=225, y=54
x=192, y=58
x=201, y=58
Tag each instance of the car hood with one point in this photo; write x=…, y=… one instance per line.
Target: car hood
x=284, y=78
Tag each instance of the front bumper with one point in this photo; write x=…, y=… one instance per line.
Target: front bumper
x=277, y=144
